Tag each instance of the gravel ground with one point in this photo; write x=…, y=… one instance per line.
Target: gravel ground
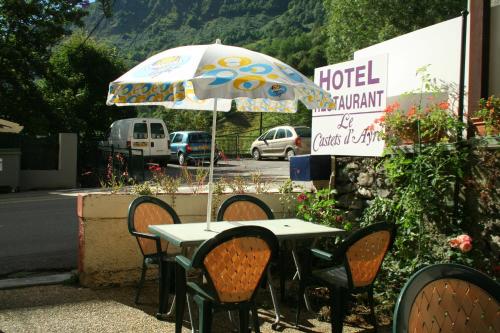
x=69, y=308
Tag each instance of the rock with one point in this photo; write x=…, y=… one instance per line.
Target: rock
x=365, y=193
x=350, y=201
x=365, y=179
x=383, y=193
x=346, y=188
x=352, y=166
x=495, y=245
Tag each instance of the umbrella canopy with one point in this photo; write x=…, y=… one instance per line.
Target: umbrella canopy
x=209, y=77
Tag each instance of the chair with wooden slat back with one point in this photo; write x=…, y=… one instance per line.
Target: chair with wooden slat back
x=360, y=257
x=244, y=207
x=230, y=283
x=448, y=298
x=142, y=212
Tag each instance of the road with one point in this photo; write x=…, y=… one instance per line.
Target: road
x=39, y=229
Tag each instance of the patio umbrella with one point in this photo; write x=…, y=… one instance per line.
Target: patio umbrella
x=209, y=77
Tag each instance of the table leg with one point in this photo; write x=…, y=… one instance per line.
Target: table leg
x=180, y=296
x=298, y=274
x=274, y=298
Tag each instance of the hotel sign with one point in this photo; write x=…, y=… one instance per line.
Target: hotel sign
x=359, y=89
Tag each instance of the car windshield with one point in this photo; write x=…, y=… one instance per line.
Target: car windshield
x=199, y=138
x=304, y=132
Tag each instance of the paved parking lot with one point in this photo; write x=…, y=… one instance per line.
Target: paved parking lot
x=269, y=169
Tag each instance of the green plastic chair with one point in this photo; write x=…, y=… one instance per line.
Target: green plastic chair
x=448, y=298
x=356, y=265
x=231, y=284
x=142, y=212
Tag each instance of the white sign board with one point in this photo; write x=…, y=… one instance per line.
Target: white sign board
x=359, y=89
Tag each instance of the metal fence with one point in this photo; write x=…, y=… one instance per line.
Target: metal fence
x=235, y=145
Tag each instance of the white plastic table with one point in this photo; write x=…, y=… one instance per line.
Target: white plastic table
x=185, y=235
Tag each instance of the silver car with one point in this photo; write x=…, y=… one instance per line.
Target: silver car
x=282, y=142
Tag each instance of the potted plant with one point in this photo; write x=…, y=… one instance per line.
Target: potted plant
x=486, y=119
x=433, y=123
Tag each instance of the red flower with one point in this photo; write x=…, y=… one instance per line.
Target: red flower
x=301, y=198
x=444, y=105
x=412, y=111
x=391, y=107
x=339, y=218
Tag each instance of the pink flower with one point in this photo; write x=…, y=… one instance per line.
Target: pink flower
x=465, y=247
x=301, y=197
x=454, y=242
x=464, y=238
x=463, y=242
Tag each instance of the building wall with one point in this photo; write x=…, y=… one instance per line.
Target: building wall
x=494, y=74
x=64, y=177
x=10, y=165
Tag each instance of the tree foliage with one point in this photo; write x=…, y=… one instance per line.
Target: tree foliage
x=27, y=31
x=356, y=24
x=76, y=84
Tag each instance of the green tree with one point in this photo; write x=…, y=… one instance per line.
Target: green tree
x=76, y=84
x=28, y=29
x=355, y=24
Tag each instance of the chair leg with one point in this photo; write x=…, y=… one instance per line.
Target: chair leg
x=141, y=281
x=205, y=315
x=255, y=317
x=302, y=289
x=372, y=308
x=180, y=297
x=243, y=314
x=338, y=298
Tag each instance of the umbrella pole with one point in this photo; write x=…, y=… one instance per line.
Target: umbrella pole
x=211, y=173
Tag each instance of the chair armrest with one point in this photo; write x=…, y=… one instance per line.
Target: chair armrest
x=184, y=262
x=322, y=254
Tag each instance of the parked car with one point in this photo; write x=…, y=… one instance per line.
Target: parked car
x=282, y=142
x=147, y=134
x=191, y=146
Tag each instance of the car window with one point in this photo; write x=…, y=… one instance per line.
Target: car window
x=140, y=131
x=171, y=136
x=199, y=137
x=157, y=131
x=288, y=133
x=269, y=135
x=304, y=132
x=280, y=134
x=178, y=138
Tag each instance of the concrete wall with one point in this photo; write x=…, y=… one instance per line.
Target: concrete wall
x=10, y=164
x=494, y=75
x=108, y=254
x=64, y=177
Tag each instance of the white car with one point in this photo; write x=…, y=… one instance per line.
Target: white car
x=282, y=142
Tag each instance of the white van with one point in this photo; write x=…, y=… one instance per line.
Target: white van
x=147, y=134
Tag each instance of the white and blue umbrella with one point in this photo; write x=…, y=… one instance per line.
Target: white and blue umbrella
x=209, y=77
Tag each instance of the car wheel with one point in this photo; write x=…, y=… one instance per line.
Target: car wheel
x=290, y=153
x=182, y=159
x=256, y=154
